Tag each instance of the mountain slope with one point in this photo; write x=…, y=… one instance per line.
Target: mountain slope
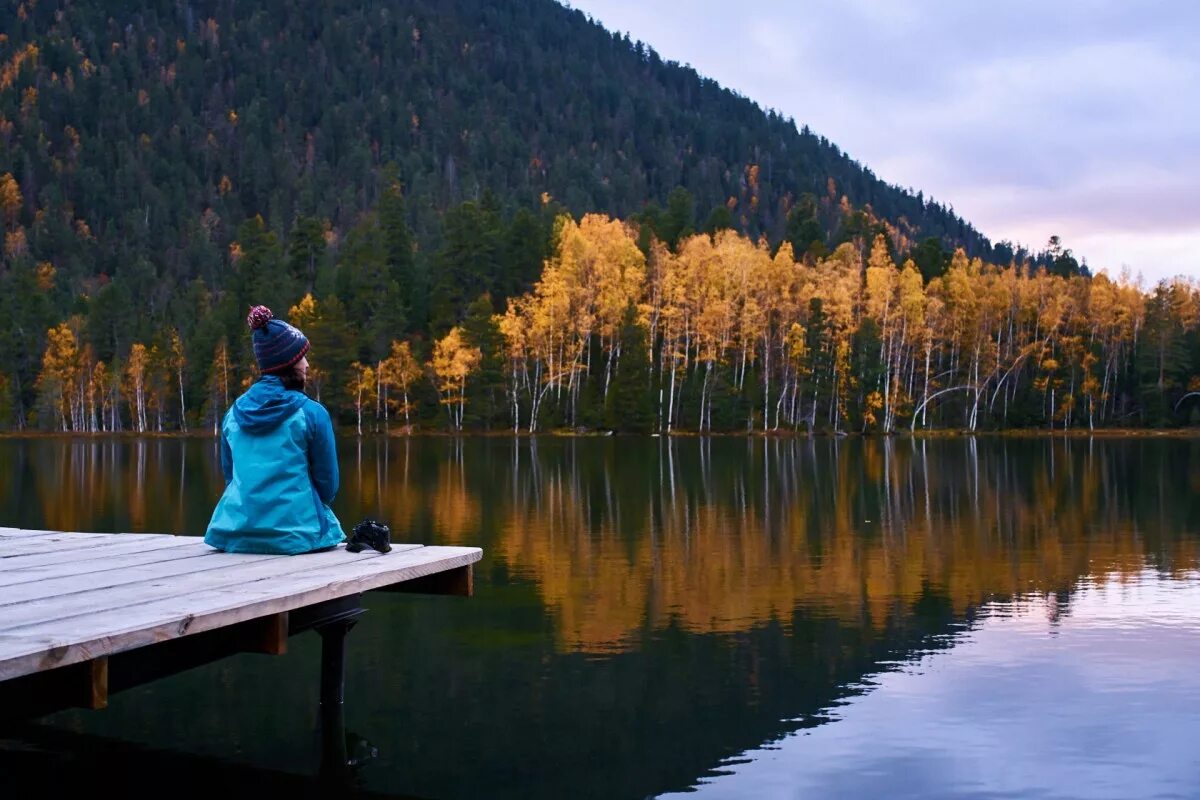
x=162, y=125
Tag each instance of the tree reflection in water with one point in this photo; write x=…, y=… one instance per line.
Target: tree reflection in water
x=646, y=607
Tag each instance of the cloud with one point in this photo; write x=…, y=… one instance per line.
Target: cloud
x=1077, y=117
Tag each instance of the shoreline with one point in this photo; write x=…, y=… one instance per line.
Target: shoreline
x=1016, y=433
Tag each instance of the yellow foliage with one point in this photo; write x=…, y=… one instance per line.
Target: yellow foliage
x=304, y=313
x=15, y=244
x=399, y=371
x=44, y=276
x=59, y=380
x=10, y=69
x=10, y=197
x=453, y=362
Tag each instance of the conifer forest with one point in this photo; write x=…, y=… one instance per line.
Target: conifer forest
x=505, y=218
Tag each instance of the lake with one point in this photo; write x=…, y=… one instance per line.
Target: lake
x=728, y=617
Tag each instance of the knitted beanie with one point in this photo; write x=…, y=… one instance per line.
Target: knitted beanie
x=277, y=345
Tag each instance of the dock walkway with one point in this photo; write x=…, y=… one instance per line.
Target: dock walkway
x=83, y=614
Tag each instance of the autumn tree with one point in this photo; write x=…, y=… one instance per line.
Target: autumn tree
x=59, y=380
x=175, y=361
x=136, y=369
x=453, y=362
x=399, y=372
x=362, y=388
x=11, y=200
x=218, y=384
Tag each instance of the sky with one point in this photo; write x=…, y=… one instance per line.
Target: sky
x=1079, y=118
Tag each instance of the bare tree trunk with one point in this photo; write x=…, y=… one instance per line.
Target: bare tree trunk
x=182, y=408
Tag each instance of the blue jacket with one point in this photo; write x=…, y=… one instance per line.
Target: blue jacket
x=281, y=474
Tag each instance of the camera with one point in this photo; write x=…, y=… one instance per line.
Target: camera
x=371, y=534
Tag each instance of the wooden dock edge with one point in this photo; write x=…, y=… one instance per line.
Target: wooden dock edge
x=87, y=683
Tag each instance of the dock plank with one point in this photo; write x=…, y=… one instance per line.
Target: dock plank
x=119, y=585
x=129, y=543
x=181, y=548
x=23, y=533
x=102, y=577
x=34, y=647
x=33, y=534
x=62, y=543
x=17, y=532
x=229, y=570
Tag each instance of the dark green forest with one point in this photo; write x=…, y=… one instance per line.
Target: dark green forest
x=405, y=165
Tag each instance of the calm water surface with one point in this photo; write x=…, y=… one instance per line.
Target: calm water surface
x=731, y=618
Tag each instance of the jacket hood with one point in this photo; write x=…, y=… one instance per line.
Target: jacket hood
x=266, y=404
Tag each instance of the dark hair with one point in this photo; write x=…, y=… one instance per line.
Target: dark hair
x=291, y=377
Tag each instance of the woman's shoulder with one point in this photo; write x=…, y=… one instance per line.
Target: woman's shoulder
x=314, y=411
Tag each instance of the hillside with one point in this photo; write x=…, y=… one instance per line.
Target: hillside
x=389, y=172
x=146, y=118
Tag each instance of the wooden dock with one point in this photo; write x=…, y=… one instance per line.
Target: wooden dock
x=86, y=614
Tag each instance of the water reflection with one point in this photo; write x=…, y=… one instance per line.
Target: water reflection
x=649, y=609
x=1101, y=702
x=619, y=537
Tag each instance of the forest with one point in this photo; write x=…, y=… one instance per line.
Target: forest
x=506, y=218
x=620, y=331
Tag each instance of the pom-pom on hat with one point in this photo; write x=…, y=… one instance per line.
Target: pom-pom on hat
x=277, y=345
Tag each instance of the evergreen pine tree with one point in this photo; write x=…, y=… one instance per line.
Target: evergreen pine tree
x=804, y=230
x=630, y=404
x=719, y=219
x=306, y=253
x=680, y=218
x=465, y=264
x=931, y=258
x=485, y=387
x=398, y=249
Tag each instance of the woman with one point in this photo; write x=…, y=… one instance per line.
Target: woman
x=277, y=455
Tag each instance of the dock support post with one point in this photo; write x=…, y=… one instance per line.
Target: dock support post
x=333, y=684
